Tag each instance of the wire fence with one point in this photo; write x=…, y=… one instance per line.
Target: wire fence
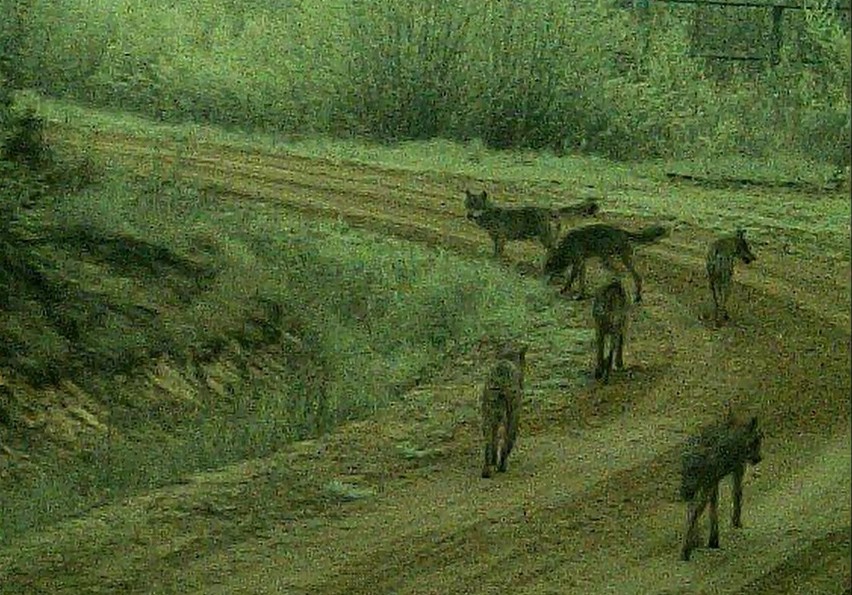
x=748, y=30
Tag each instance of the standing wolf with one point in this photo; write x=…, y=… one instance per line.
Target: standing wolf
x=520, y=223
x=601, y=240
x=720, y=449
x=500, y=406
x=720, y=269
x=610, y=313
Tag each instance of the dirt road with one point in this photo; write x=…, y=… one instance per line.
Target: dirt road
x=589, y=504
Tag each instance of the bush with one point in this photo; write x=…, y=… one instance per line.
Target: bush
x=545, y=75
x=403, y=63
x=22, y=141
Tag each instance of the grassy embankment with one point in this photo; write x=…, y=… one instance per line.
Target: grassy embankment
x=153, y=329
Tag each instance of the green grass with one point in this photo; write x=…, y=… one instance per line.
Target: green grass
x=640, y=188
x=260, y=328
x=347, y=492
x=469, y=158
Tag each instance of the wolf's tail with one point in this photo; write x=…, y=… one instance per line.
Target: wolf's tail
x=649, y=235
x=502, y=436
x=584, y=209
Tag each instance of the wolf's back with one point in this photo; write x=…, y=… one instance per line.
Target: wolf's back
x=504, y=375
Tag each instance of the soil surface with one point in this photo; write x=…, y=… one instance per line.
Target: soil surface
x=589, y=504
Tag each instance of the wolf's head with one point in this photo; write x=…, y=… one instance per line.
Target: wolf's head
x=515, y=351
x=743, y=249
x=475, y=203
x=754, y=440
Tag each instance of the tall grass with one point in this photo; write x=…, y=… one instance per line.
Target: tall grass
x=550, y=74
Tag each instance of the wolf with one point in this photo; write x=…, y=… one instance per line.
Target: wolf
x=500, y=406
x=601, y=240
x=521, y=223
x=720, y=269
x=720, y=449
x=609, y=310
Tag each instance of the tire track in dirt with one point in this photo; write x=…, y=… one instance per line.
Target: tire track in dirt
x=791, y=420
x=410, y=206
x=311, y=193
x=562, y=520
x=779, y=348
x=411, y=559
x=369, y=183
x=387, y=201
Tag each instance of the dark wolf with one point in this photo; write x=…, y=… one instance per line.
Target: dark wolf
x=520, y=223
x=720, y=449
x=500, y=406
x=609, y=310
x=720, y=269
x=601, y=240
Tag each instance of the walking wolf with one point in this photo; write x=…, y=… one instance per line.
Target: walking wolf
x=720, y=269
x=520, y=223
x=500, y=406
x=601, y=240
x=719, y=449
x=610, y=313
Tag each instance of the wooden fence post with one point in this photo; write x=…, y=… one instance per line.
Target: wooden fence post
x=775, y=50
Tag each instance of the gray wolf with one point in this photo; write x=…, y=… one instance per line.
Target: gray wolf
x=500, y=406
x=520, y=223
x=609, y=310
x=720, y=449
x=605, y=242
x=720, y=269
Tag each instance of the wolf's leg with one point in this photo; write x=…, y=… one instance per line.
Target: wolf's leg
x=627, y=259
x=619, y=348
x=714, y=517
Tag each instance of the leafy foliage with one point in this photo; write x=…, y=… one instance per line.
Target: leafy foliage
x=549, y=75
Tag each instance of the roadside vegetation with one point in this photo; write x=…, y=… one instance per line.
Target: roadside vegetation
x=584, y=77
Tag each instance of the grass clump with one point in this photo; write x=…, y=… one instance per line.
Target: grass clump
x=347, y=492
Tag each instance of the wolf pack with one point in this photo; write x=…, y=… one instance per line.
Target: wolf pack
x=720, y=449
